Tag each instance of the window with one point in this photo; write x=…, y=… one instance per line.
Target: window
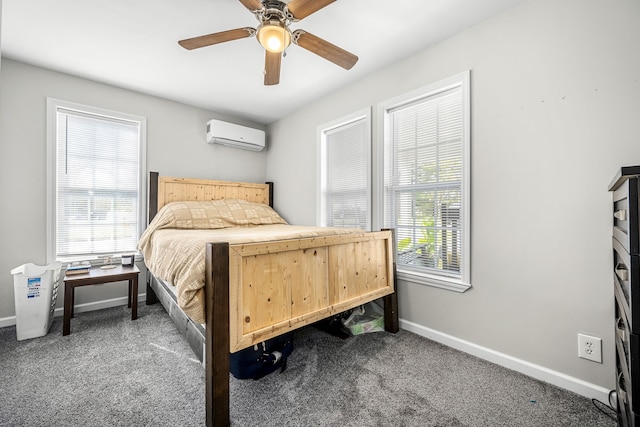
x=426, y=182
x=95, y=174
x=345, y=147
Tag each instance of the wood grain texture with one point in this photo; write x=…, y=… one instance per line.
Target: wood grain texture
x=172, y=189
x=215, y=38
x=272, y=63
x=276, y=287
x=323, y=48
x=217, y=334
x=252, y=5
x=300, y=9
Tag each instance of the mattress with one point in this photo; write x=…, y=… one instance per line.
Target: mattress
x=174, y=250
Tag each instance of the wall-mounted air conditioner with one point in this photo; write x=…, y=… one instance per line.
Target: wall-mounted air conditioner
x=232, y=135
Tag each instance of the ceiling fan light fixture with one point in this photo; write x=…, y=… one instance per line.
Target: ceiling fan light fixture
x=274, y=37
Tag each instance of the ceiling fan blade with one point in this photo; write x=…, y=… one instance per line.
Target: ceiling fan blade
x=272, y=62
x=302, y=8
x=215, y=38
x=252, y=5
x=323, y=48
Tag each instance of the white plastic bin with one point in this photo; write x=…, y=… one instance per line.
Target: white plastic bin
x=36, y=290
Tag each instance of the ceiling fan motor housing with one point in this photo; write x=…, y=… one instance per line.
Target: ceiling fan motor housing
x=272, y=10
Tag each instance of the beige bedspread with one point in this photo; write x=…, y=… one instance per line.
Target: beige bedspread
x=173, y=245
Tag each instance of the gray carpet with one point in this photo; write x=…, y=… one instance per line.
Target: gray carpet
x=114, y=372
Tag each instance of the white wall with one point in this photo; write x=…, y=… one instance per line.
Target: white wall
x=176, y=146
x=555, y=90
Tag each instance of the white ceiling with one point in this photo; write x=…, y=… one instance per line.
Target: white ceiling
x=133, y=44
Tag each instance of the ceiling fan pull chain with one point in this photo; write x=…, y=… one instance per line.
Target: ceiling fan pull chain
x=284, y=51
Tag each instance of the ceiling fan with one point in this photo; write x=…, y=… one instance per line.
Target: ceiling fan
x=274, y=34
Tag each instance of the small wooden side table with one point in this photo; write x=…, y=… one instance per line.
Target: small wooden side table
x=97, y=276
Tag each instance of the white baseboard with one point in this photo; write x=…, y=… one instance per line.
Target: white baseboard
x=80, y=308
x=576, y=385
x=7, y=321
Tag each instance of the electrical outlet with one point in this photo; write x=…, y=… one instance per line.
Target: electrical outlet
x=590, y=348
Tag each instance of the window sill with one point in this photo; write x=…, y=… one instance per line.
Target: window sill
x=455, y=285
x=96, y=260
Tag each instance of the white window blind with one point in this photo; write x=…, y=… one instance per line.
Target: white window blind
x=424, y=182
x=98, y=184
x=345, y=176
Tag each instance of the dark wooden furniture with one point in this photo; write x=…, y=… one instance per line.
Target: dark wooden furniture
x=626, y=263
x=97, y=276
x=225, y=312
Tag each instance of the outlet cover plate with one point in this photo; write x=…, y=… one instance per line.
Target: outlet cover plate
x=590, y=348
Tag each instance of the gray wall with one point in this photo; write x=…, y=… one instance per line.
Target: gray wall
x=176, y=146
x=555, y=89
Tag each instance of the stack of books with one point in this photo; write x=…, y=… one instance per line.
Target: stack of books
x=78, y=268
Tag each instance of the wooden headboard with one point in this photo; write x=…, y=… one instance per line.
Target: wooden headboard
x=165, y=189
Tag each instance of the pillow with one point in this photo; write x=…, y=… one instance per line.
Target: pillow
x=212, y=214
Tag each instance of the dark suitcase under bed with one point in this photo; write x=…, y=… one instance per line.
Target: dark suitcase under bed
x=262, y=359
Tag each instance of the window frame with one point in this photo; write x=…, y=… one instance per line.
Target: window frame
x=53, y=105
x=431, y=278
x=322, y=130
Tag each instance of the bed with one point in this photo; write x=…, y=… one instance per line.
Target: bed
x=257, y=289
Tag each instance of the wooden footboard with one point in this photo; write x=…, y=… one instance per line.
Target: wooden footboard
x=279, y=286
x=262, y=290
